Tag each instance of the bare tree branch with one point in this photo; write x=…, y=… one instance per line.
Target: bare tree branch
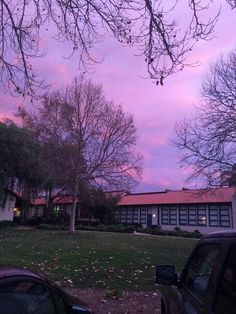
x=90, y=141
x=148, y=25
x=208, y=139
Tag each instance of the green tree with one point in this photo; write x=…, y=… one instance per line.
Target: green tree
x=19, y=159
x=151, y=26
x=100, y=205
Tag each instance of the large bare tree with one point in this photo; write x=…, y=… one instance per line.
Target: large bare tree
x=92, y=141
x=208, y=138
x=151, y=26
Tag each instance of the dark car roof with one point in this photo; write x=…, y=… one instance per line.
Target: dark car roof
x=221, y=234
x=8, y=271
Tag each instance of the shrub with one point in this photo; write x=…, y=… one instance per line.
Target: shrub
x=62, y=219
x=109, y=228
x=177, y=229
x=129, y=229
x=177, y=232
x=112, y=228
x=52, y=227
x=88, y=228
x=7, y=224
x=34, y=221
x=158, y=231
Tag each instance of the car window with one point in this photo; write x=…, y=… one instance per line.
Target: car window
x=200, y=268
x=226, y=295
x=25, y=297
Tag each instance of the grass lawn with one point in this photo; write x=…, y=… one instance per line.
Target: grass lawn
x=93, y=259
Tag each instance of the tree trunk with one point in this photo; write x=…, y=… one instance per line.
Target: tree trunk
x=49, y=203
x=73, y=210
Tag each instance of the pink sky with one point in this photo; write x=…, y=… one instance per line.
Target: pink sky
x=155, y=109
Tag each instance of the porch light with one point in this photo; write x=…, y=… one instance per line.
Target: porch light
x=15, y=209
x=154, y=215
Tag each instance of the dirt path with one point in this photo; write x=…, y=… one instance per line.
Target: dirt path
x=129, y=303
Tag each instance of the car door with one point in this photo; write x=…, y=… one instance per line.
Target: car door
x=198, y=279
x=225, y=299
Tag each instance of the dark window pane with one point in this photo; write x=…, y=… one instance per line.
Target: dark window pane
x=224, y=215
x=143, y=215
x=214, y=215
x=165, y=215
x=21, y=297
x=226, y=295
x=200, y=269
x=173, y=215
x=183, y=216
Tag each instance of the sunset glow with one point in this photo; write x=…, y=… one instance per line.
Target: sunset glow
x=155, y=109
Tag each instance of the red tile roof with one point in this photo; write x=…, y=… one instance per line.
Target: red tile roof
x=185, y=196
x=68, y=199
x=220, y=195
x=56, y=200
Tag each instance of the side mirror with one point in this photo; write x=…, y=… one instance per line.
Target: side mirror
x=166, y=275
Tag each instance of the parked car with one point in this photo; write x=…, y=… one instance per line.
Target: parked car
x=25, y=292
x=207, y=283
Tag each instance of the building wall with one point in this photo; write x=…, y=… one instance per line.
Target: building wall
x=202, y=217
x=234, y=210
x=7, y=209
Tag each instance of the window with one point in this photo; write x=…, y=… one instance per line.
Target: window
x=143, y=215
x=23, y=296
x=164, y=216
x=169, y=215
x=200, y=268
x=129, y=215
x=213, y=215
x=38, y=211
x=183, y=215
x=136, y=215
x=226, y=295
x=192, y=215
x=117, y=215
x=173, y=215
x=56, y=210
x=123, y=215
x=219, y=215
x=201, y=215
x=224, y=215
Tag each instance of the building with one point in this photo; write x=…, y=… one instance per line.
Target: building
x=204, y=210
x=61, y=204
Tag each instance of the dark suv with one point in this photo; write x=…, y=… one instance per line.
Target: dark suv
x=207, y=284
